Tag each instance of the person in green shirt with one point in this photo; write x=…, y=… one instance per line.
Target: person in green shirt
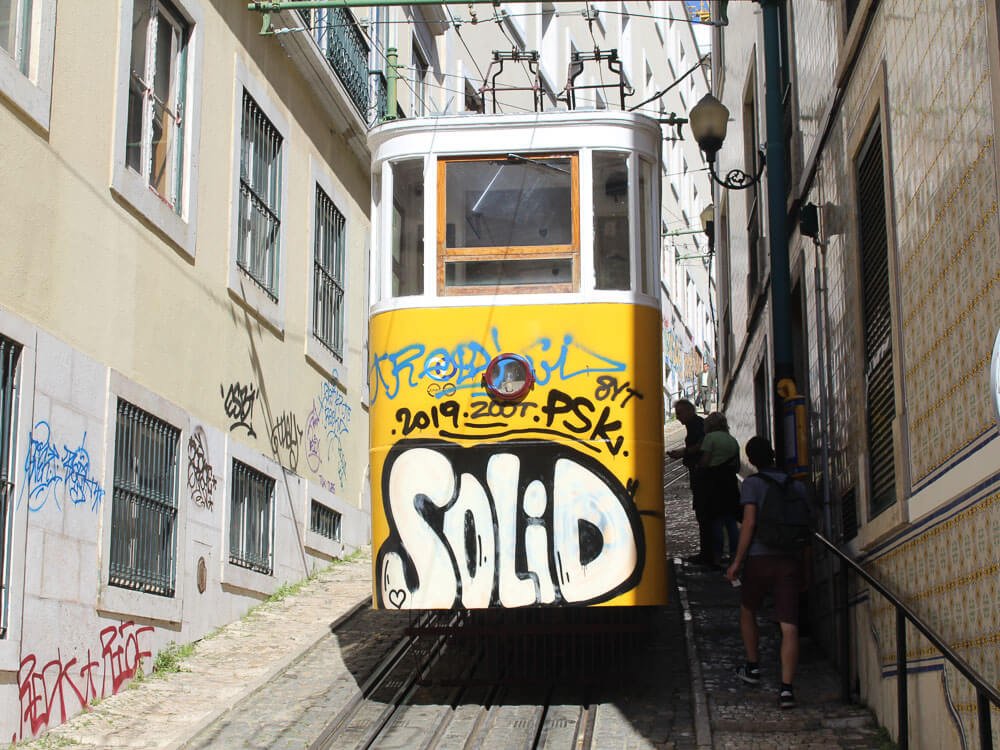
x=718, y=464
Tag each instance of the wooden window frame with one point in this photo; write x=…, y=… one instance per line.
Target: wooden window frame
x=500, y=253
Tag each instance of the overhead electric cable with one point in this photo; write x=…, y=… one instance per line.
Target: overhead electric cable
x=676, y=81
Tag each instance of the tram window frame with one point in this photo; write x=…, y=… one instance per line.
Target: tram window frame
x=611, y=175
x=645, y=243
x=501, y=253
x=406, y=262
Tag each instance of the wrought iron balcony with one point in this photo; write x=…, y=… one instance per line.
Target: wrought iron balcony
x=345, y=48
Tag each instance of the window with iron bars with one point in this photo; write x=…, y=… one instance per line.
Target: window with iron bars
x=157, y=81
x=10, y=354
x=251, y=523
x=324, y=521
x=259, y=220
x=144, y=504
x=328, y=275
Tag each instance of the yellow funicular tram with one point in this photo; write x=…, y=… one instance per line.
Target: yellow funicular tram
x=514, y=362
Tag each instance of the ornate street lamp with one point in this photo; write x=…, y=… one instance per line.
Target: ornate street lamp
x=709, y=119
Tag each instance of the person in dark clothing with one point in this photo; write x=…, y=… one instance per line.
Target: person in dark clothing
x=718, y=465
x=687, y=415
x=767, y=571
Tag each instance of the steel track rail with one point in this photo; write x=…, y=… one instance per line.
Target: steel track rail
x=371, y=683
x=405, y=691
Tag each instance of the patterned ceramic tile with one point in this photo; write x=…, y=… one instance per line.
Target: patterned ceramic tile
x=941, y=144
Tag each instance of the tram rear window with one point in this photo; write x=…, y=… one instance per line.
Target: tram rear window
x=510, y=202
x=510, y=221
x=509, y=273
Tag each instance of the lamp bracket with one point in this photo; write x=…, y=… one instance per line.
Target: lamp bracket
x=737, y=179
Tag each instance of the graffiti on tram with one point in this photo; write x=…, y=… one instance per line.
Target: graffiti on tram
x=447, y=369
x=517, y=524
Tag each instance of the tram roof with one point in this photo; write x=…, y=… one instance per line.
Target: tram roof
x=580, y=121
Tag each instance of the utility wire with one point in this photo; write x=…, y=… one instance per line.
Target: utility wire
x=364, y=24
x=676, y=81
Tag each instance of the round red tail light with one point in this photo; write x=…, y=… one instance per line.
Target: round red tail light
x=508, y=377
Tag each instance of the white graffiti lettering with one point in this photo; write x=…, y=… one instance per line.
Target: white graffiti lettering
x=523, y=523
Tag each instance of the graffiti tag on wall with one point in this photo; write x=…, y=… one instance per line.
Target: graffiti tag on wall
x=511, y=525
x=200, y=478
x=328, y=421
x=51, y=474
x=238, y=401
x=461, y=367
x=285, y=437
x=52, y=692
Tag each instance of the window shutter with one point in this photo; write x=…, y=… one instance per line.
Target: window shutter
x=874, y=254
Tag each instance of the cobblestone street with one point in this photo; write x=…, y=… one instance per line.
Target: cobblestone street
x=276, y=678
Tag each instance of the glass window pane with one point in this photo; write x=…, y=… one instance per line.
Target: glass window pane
x=140, y=30
x=612, y=269
x=328, y=272
x=133, y=135
x=162, y=134
x=509, y=202
x=509, y=272
x=259, y=219
x=645, y=241
x=8, y=25
x=408, y=227
x=137, y=85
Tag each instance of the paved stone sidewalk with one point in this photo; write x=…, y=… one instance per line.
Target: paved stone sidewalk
x=165, y=712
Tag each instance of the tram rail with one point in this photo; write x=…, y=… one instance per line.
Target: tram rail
x=443, y=679
x=466, y=704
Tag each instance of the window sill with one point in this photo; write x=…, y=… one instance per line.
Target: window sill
x=33, y=98
x=246, y=291
x=323, y=546
x=234, y=576
x=325, y=360
x=355, y=526
x=30, y=99
x=131, y=190
x=128, y=603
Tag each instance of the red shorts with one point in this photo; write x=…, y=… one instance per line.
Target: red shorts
x=781, y=576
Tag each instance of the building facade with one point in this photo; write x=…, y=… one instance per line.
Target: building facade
x=183, y=308
x=182, y=318
x=890, y=113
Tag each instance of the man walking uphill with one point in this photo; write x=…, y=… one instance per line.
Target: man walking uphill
x=687, y=415
x=773, y=540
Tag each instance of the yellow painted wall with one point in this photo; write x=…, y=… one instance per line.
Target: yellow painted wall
x=586, y=442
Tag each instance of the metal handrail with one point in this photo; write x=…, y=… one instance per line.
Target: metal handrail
x=985, y=693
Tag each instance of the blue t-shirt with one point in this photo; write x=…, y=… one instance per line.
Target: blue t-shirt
x=753, y=492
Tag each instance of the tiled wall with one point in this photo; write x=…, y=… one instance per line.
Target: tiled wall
x=931, y=59
x=948, y=573
x=944, y=199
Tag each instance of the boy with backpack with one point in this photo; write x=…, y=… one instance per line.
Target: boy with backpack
x=773, y=539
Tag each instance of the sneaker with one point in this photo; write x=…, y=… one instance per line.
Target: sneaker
x=786, y=698
x=749, y=675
